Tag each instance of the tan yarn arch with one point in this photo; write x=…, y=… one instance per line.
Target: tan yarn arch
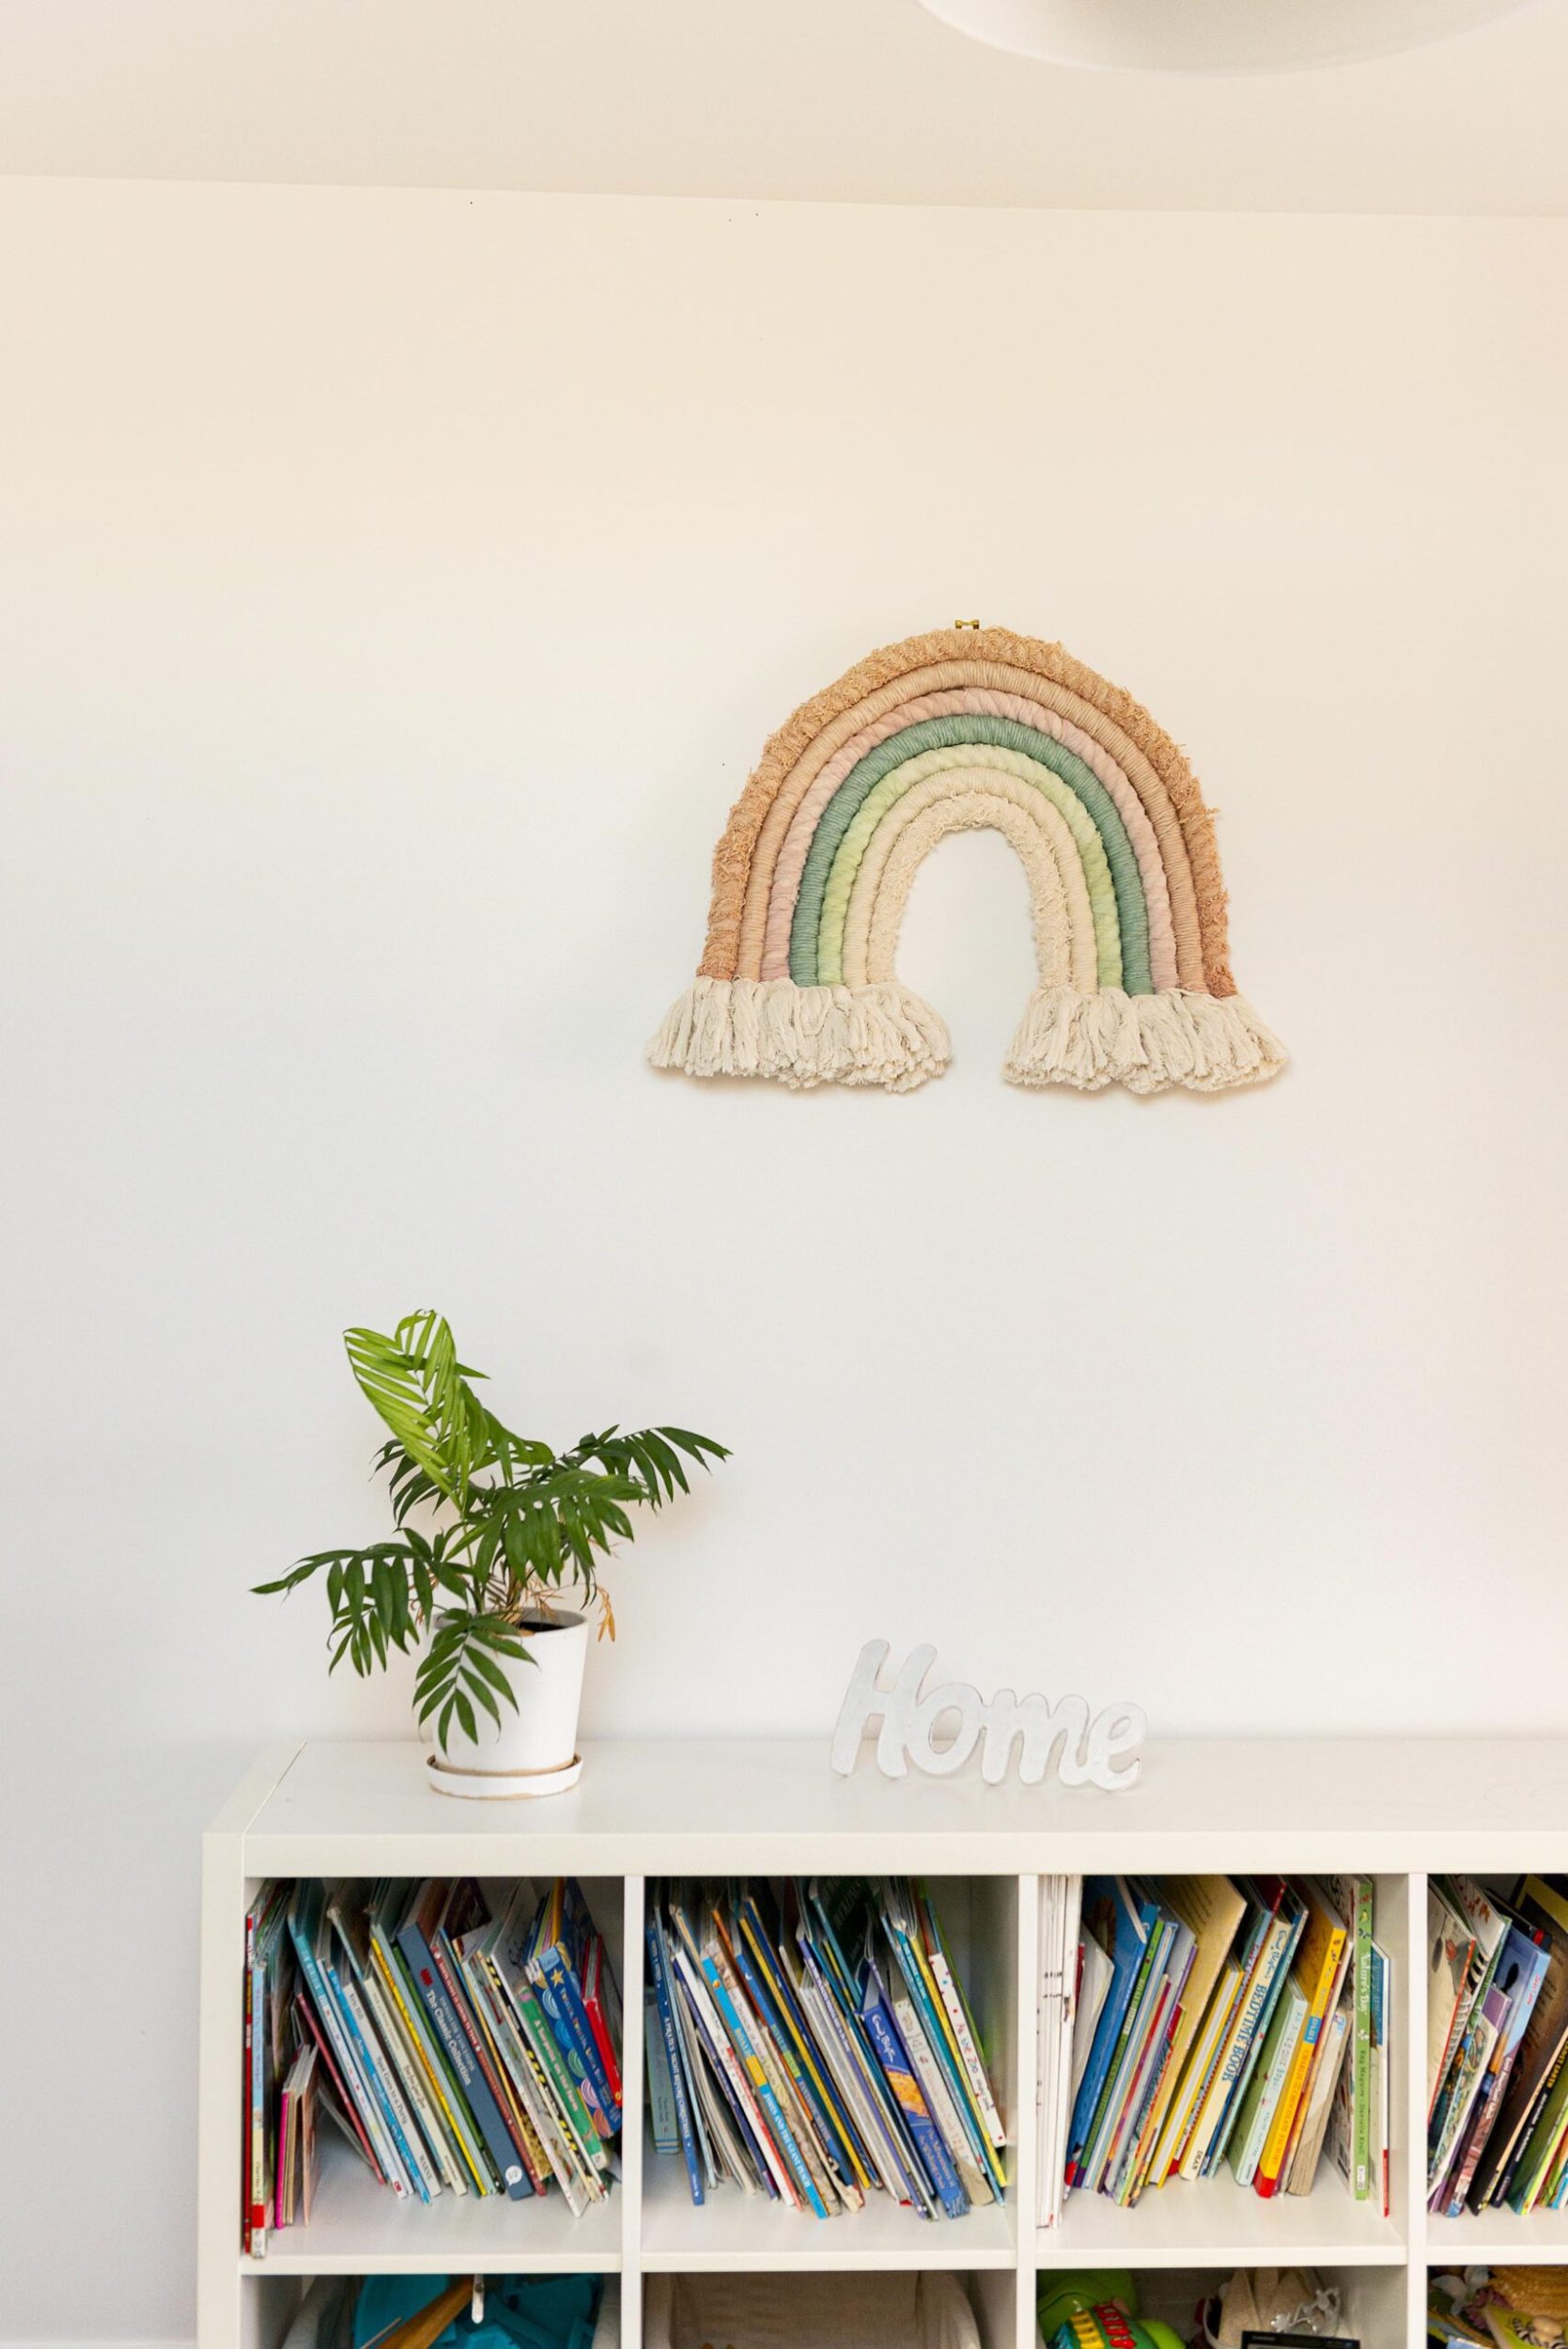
x=954, y=729
x=1002, y=662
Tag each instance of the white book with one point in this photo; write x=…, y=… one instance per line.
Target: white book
x=940, y=2099
x=389, y=2024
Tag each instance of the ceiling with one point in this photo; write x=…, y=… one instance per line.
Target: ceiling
x=859, y=101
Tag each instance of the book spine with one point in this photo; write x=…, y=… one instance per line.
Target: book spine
x=598, y=2020
x=373, y=2066
x=1360, y=2080
x=1272, y=2089
x=360, y=2100
x=956, y=2011
x=762, y=2088
x=818, y=2112
x=934, y=2156
x=939, y=2099
x=672, y=2055
x=814, y=2061
x=433, y=1991
x=909, y=1959
x=772, y=2167
x=395, y=2037
x=514, y=2111
x=443, y=2088
x=305, y=2014
x=449, y=1967
x=1274, y=1982
x=562, y=2000
x=860, y=2087
x=1125, y=2057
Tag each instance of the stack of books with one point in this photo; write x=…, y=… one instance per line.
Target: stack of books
x=459, y=2041
x=1193, y=2022
x=1496, y=2021
x=817, y=2049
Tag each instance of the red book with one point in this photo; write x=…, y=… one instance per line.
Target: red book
x=598, y=1992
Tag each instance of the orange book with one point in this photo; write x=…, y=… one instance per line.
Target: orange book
x=1318, y=1960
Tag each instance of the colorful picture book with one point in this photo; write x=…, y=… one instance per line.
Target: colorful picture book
x=461, y=2038
x=1193, y=2022
x=1498, y=2092
x=815, y=2046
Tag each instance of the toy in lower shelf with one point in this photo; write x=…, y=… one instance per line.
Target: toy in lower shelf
x=1198, y=2021
x=457, y=2312
x=819, y=2050
x=462, y=2039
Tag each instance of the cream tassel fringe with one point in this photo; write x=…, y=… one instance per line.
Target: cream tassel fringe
x=803, y=1035
x=1205, y=1043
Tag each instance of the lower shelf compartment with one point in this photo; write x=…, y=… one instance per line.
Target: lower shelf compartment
x=277, y=2302
x=959, y=2310
x=1370, y=2303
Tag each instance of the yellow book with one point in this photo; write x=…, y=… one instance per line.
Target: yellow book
x=1318, y=1958
x=1212, y=1910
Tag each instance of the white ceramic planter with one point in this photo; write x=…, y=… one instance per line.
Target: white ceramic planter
x=533, y=1751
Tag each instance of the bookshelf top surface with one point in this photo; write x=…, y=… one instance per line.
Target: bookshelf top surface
x=723, y=1805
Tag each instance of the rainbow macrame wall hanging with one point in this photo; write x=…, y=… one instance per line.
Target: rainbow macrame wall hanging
x=959, y=729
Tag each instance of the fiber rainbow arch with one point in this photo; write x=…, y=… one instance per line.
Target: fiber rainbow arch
x=965, y=728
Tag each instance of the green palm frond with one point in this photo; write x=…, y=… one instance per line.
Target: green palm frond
x=512, y=1521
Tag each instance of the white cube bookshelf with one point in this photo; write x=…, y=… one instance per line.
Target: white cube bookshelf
x=716, y=1808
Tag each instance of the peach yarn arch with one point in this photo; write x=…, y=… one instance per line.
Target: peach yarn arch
x=961, y=728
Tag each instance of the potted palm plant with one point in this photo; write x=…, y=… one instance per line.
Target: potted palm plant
x=495, y=1536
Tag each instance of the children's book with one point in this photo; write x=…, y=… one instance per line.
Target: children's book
x=426, y=1951
x=311, y=1938
x=1278, y=1916
x=1382, y=2012
x=1542, y=2046
x=1261, y=2102
x=1350, y=2119
x=1329, y=2067
x=1521, y=1972
x=1450, y=1946
x=675, y=2062
x=1319, y=1962
x=1212, y=1908
x=1121, y=1920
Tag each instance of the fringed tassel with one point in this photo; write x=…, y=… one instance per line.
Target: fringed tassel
x=803, y=1035
x=1203, y=1043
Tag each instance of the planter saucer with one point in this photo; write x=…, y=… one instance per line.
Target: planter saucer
x=501, y=1785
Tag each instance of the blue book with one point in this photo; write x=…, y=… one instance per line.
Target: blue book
x=898, y=1923
x=665, y=2004
x=309, y=1932
x=762, y=2088
x=416, y=1937
x=837, y=2029
x=373, y=2062
x=893, y=2058
x=1129, y=2044
x=1122, y=1923
x=551, y=1968
x=828, y=1969
x=770, y=1995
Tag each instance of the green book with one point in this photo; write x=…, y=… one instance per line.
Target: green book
x=1352, y=1896
x=1268, y=2085
x=1541, y=2144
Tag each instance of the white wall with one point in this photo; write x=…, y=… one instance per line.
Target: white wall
x=397, y=589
